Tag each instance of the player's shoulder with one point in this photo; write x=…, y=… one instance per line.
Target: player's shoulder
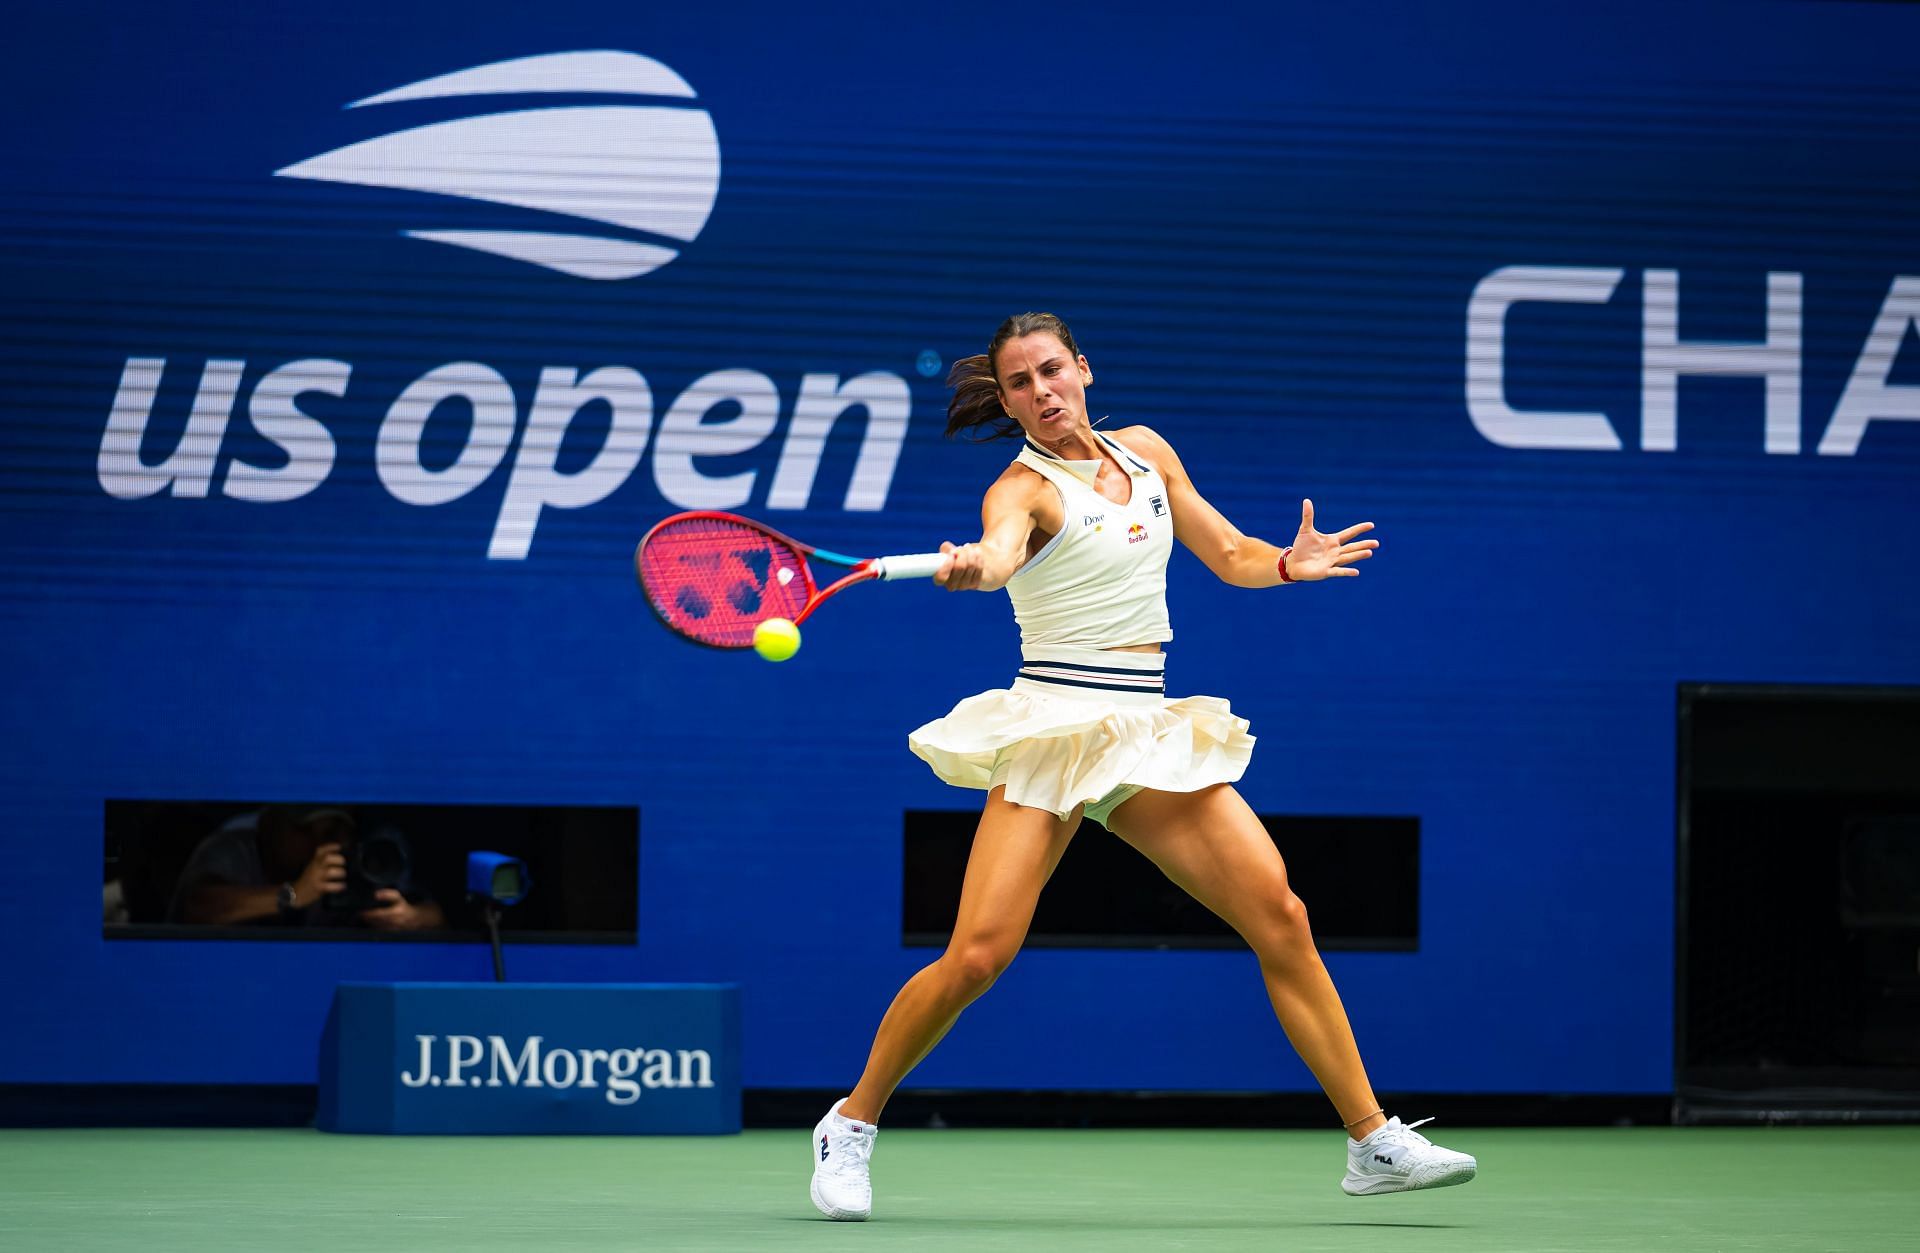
x=1138, y=437
x=1145, y=442
x=1018, y=483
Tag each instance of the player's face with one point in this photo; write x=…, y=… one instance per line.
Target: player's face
x=1043, y=387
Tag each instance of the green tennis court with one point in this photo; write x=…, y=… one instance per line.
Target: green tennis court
x=1539, y=1190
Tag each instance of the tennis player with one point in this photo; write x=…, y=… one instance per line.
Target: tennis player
x=1078, y=531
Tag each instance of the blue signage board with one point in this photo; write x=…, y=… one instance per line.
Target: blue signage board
x=531, y=1059
x=346, y=361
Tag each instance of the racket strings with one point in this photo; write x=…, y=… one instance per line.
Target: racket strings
x=714, y=580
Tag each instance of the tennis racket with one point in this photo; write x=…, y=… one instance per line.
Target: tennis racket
x=713, y=577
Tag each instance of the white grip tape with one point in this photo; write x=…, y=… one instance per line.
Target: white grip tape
x=911, y=566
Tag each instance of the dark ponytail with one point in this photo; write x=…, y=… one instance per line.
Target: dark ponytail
x=976, y=388
x=976, y=400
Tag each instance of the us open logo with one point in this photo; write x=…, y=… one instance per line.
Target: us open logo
x=648, y=173
x=651, y=169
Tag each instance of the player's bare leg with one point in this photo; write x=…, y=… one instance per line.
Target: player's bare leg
x=1212, y=845
x=1015, y=850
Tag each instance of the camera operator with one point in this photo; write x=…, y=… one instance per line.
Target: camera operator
x=302, y=866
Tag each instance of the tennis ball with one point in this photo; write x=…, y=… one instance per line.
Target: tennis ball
x=776, y=639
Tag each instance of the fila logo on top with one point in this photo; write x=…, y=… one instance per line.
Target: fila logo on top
x=652, y=169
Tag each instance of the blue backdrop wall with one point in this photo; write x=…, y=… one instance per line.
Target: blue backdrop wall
x=323, y=464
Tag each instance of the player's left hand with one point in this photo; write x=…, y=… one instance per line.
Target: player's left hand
x=394, y=913
x=1316, y=556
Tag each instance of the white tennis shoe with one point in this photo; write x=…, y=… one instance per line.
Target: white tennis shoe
x=1396, y=1158
x=841, y=1149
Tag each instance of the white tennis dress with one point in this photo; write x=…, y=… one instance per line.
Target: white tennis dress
x=1082, y=725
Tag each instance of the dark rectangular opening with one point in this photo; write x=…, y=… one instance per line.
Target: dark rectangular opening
x=171, y=868
x=1360, y=878
x=1798, y=899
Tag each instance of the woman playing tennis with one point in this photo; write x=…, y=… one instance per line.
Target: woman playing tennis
x=1078, y=531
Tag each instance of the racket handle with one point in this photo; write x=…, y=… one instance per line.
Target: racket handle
x=911, y=566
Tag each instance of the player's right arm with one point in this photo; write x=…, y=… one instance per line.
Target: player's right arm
x=1019, y=503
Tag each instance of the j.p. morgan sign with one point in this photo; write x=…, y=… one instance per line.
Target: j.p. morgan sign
x=473, y=1058
x=622, y=1073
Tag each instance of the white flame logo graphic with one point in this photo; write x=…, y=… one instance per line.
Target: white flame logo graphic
x=652, y=169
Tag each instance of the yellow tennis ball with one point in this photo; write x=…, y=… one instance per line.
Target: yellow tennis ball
x=776, y=639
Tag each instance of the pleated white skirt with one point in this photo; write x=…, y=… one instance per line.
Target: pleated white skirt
x=1085, y=726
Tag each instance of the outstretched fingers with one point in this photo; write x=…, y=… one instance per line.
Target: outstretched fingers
x=1349, y=554
x=1345, y=548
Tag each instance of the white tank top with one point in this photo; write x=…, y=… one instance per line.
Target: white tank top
x=1101, y=582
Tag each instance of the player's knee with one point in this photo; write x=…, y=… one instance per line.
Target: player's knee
x=1283, y=930
x=973, y=965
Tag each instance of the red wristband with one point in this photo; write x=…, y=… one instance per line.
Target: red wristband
x=1283, y=565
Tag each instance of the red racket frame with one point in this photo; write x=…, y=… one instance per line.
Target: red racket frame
x=862, y=568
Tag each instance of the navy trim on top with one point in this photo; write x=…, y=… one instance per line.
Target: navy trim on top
x=1104, y=687
x=1114, y=444
x=1066, y=516
x=1108, y=440
x=1072, y=665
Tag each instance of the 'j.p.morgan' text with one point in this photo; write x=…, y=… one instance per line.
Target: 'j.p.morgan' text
x=625, y=1073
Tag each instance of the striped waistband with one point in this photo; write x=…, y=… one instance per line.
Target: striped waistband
x=1095, y=672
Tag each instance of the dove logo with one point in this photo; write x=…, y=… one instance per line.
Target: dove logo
x=649, y=170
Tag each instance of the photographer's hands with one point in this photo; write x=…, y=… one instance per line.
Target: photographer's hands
x=397, y=913
x=325, y=873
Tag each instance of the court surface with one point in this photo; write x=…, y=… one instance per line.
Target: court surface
x=1539, y=1190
